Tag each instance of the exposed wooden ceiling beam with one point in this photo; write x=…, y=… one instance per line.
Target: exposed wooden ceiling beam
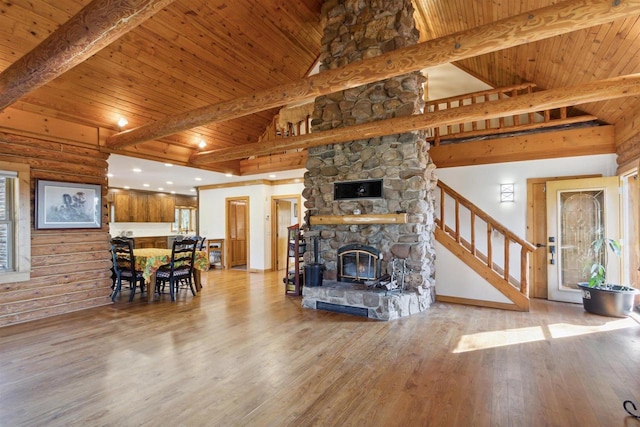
x=617, y=87
x=528, y=27
x=97, y=25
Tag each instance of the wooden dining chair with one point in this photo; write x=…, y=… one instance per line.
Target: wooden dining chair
x=180, y=267
x=124, y=263
x=201, y=241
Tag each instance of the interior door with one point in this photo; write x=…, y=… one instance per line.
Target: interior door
x=577, y=212
x=283, y=217
x=237, y=232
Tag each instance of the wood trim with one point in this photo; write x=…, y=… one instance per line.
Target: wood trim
x=477, y=303
x=250, y=183
x=358, y=219
x=539, y=24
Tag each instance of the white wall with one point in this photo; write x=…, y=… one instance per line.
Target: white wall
x=212, y=221
x=141, y=229
x=481, y=185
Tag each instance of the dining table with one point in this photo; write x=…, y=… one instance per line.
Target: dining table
x=148, y=260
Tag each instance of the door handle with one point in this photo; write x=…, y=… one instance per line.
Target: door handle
x=540, y=245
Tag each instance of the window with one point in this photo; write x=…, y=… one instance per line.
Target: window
x=15, y=229
x=185, y=220
x=7, y=182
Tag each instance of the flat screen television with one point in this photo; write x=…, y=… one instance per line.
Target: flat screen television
x=370, y=189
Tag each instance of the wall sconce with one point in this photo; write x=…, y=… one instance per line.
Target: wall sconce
x=506, y=193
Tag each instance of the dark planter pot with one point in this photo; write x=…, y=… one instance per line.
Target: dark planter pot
x=614, y=302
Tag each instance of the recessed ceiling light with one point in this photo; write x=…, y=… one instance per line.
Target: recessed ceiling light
x=228, y=175
x=145, y=185
x=193, y=190
x=272, y=176
x=202, y=144
x=110, y=175
x=169, y=182
x=137, y=170
x=122, y=122
x=161, y=188
x=198, y=179
x=173, y=192
x=168, y=165
x=126, y=187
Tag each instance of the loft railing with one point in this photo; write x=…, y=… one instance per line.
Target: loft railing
x=519, y=122
x=492, y=250
x=277, y=130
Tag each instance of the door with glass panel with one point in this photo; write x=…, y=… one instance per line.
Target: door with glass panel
x=578, y=212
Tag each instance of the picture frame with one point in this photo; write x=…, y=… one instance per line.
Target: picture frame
x=67, y=205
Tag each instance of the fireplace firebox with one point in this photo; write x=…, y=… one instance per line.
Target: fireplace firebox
x=358, y=263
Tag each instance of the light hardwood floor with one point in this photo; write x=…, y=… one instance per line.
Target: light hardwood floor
x=242, y=353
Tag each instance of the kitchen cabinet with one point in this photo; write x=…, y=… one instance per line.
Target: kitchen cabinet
x=186, y=201
x=122, y=207
x=161, y=208
x=140, y=206
x=159, y=242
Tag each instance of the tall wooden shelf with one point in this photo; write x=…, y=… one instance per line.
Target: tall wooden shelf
x=295, y=261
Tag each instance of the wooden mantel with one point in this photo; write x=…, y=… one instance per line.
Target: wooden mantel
x=400, y=218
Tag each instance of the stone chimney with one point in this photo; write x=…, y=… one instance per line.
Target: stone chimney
x=356, y=30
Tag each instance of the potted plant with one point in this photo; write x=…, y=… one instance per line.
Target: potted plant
x=600, y=296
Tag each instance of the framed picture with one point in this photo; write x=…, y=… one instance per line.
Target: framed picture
x=68, y=205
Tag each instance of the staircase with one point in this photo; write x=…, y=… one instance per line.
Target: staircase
x=490, y=249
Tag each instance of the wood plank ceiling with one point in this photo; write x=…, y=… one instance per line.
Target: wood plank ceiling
x=194, y=53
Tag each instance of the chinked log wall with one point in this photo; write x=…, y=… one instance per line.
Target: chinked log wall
x=70, y=268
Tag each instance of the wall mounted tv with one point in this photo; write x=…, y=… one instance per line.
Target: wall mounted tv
x=370, y=189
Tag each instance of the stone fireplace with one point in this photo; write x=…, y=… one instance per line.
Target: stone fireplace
x=395, y=220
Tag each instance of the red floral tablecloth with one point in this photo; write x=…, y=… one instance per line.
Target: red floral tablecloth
x=148, y=260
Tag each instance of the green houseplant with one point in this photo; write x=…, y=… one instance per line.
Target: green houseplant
x=600, y=296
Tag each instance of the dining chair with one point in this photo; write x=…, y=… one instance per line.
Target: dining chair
x=180, y=267
x=201, y=240
x=124, y=267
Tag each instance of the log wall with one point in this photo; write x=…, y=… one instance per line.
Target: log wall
x=70, y=269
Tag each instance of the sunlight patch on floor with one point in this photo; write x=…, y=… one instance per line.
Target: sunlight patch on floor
x=485, y=340
x=563, y=330
x=493, y=339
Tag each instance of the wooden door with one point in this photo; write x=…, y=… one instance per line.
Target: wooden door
x=537, y=231
x=283, y=218
x=237, y=231
x=631, y=218
x=578, y=212
x=538, y=236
